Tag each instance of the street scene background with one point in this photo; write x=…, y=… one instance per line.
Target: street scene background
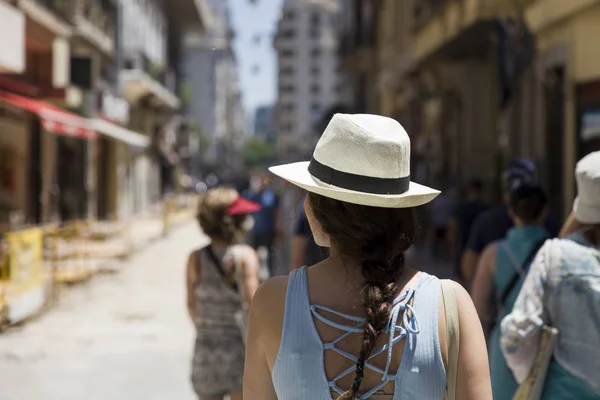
x=116, y=115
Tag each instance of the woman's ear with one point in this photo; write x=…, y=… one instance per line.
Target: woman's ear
x=320, y=237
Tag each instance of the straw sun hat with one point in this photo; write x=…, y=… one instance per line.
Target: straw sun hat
x=360, y=159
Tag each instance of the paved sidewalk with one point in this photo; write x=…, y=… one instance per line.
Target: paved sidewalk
x=122, y=336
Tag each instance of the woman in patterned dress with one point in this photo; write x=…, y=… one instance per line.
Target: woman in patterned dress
x=221, y=280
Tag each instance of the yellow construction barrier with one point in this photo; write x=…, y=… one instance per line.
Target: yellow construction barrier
x=74, y=251
x=69, y=254
x=22, y=275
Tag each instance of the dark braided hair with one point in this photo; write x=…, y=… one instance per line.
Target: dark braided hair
x=378, y=237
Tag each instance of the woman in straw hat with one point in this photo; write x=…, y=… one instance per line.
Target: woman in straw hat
x=360, y=325
x=562, y=290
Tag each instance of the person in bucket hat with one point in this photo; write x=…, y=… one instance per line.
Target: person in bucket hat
x=360, y=324
x=561, y=289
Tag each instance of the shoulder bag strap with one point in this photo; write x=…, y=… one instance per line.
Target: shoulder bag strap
x=452, y=337
x=518, y=276
x=227, y=279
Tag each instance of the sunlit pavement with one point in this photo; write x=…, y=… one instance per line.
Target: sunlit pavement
x=123, y=336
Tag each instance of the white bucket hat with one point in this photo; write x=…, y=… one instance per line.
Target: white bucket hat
x=587, y=204
x=360, y=159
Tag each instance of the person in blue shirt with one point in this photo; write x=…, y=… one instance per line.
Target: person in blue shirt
x=500, y=273
x=265, y=231
x=494, y=224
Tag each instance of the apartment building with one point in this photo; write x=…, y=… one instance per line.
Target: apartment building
x=211, y=71
x=309, y=84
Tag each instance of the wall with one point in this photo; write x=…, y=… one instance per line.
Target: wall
x=145, y=29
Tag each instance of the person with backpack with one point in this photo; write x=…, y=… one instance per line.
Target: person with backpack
x=221, y=281
x=500, y=273
x=562, y=293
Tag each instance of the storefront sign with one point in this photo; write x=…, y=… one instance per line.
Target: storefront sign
x=23, y=271
x=114, y=108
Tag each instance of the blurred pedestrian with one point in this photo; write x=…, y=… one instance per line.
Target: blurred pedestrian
x=305, y=251
x=266, y=225
x=440, y=210
x=493, y=224
x=316, y=333
x=562, y=290
x=463, y=218
x=499, y=276
x=221, y=281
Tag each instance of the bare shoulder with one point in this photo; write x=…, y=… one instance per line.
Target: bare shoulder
x=267, y=314
x=271, y=294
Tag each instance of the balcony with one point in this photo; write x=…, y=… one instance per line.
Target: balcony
x=95, y=23
x=465, y=23
x=53, y=15
x=359, y=38
x=141, y=78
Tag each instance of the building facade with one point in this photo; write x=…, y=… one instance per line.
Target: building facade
x=309, y=82
x=211, y=71
x=78, y=108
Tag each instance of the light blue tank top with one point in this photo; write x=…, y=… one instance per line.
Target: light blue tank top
x=299, y=372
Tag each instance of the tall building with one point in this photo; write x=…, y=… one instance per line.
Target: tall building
x=308, y=70
x=212, y=74
x=263, y=124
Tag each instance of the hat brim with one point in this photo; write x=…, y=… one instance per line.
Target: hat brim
x=297, y=174
x=586, y=213
x=242, y=206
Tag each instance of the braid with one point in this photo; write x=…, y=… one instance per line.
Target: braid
x=378, y=295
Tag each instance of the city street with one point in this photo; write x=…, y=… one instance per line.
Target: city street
x=123, y=336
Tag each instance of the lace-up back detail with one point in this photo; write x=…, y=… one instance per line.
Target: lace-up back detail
x=299, y=371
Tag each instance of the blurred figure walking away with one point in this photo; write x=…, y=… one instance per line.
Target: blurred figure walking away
x=221, y=281
x=500, y=274
x=440, y=210
x=562, y=290
x=493, y=224
x=266, y=225
x=462, y=221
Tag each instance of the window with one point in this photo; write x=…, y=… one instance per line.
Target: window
x=289, y=15
x=315, y=53
x=315, y=89
x=287, y=71
x=287, y=89
x=314, y=71
x=289, y=107
x=288, y=34
x=315, y=108
x=287, y=53
x=315, y=20
x=315, y=34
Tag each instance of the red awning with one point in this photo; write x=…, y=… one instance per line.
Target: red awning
x=54, y=119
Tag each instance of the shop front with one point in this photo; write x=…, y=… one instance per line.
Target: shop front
x=47, y=145
x=118, y=150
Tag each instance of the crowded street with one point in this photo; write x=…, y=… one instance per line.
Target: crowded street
x=125, y=335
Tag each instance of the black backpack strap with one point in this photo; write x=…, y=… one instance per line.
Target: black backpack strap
x=525, y=267
x=215, y=260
